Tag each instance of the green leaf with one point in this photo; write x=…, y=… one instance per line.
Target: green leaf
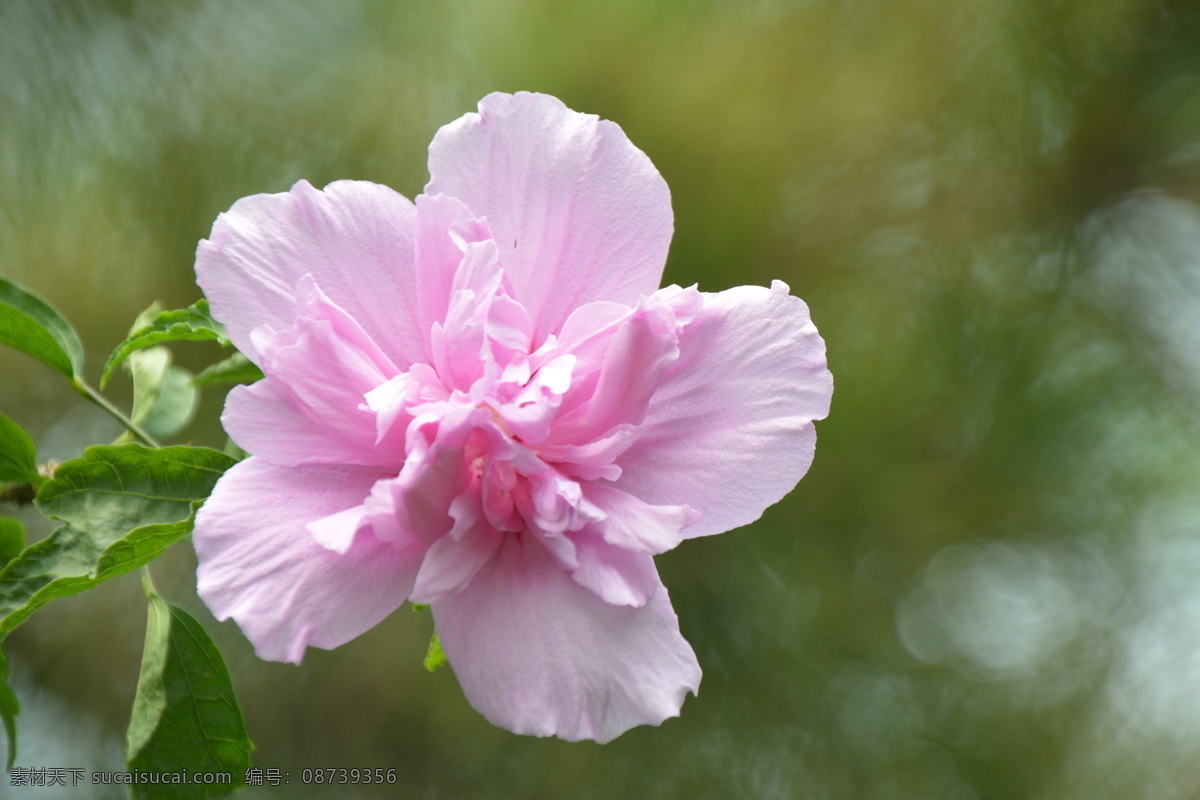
x=175, y=406
x=185, y=716
x=235, y=369
x=435, y=656
x=31, y=325
x=18, y=454
x=192, y=324
x=9, y=708
x=123, y=506
x=233, y=451
x=146, y=318
x=164, y=397
x=113, y=490
x=12, y=539
x=149, y=369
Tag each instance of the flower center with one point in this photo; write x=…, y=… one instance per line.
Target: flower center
x=500, y=431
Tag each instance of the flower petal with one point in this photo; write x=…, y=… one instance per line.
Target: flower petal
x=633, y=524
x=617, y=575
x=263, y=421
x=451, y=562
x=418, y=501
x=537, y=653
x=354, y=238
x=642, y=348
x=324, y=365
x=439, y=251
x=729, y=431
x=579, y=212
x=259, y=564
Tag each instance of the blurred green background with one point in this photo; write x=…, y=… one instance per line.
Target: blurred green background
x=988, y=585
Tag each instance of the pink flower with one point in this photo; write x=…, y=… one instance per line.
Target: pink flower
x=483, y=401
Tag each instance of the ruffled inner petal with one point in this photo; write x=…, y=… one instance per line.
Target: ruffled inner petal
x=264, y=420
x=287, y=591
x=633, y=524
x=452, y=561
x=355, y=238
x=325, y=364
x=617, y=575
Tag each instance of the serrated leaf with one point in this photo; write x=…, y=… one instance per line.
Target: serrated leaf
x=70, y=561
x=235, y=369
x=123, y=506
x=185, y=716
x=31, y=325
x=18, y=454
x=12, y=539
x=9, y=708
x=435, y=656
x=191, y=324
x=112, y=490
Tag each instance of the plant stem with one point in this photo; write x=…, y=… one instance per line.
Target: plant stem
x=84, y=389
x=147, y=583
